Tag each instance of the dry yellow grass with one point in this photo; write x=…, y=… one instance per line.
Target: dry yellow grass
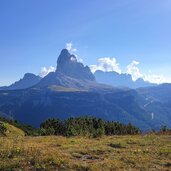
x=148, y=152
x=13, y=131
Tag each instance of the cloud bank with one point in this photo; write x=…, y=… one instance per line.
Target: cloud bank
x=106, y=64
x=134, y=71
x=154, y=78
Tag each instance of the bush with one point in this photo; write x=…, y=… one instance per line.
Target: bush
x=53, y=126
x=48, y=131
x=99, y=133
x=3, y=128
x=165, y=130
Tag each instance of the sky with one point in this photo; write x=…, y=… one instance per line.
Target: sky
x=126, y=36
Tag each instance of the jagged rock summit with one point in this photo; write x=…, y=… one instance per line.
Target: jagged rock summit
x=68, y=65
x=70, y=74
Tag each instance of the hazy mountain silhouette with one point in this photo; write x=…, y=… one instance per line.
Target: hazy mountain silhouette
x=27, y=81
x=120, y=80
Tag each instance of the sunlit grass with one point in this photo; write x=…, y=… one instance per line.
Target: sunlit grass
x=148, y=152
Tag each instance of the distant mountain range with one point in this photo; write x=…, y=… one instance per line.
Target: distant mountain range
x=72, y=91
x=70, y=67
x=120, y=80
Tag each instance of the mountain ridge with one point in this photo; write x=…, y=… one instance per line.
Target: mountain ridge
x=120, y=80
x=27, y=81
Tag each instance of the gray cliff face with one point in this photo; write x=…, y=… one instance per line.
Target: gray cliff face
x=68, y=65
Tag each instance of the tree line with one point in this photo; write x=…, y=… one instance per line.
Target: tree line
x=80, y=126
x=86, y=126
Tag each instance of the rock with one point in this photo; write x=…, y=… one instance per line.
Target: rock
x=68, y=65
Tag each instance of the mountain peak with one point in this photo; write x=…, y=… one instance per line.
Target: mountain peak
x=29, y=76
x=27, y=81
x=65, y=57
x=67, y=64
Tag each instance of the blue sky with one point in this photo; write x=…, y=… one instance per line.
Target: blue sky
x=130, y=33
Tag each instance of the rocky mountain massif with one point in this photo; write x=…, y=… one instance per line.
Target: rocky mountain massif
x=72, y=91
x=68, y=66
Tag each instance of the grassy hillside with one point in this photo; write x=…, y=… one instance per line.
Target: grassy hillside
x=138, y=152
x=12, y=131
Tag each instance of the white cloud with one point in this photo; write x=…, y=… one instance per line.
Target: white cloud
x=134, y=70
x=154, y=78
x=69, y=47
x=78, y=58
x=46, y=70
x=106, y=64
x=73, y=59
